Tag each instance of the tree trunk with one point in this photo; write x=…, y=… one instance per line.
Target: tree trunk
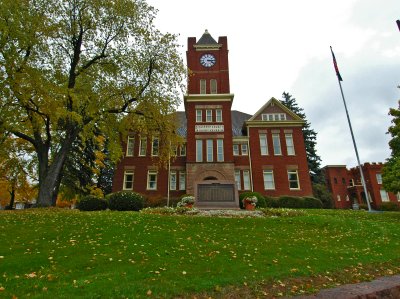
x=50, y=175
x=12, y=199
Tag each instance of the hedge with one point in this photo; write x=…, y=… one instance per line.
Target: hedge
x=125, y=201
x=91, y=203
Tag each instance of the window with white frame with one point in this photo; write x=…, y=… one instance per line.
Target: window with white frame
x=199, y=150
x=210, y=156
x=273, y=116
x=143, y=146
x=263, y=144
x=208, y=116
x=398, y=196
x=244, y=149
x=183, y=150
x=269, y=183
x=128, y=180
x=338, y=197
x=293, y=178
x=246, y=180
x=384, y=195
x=379, y=178
x=236, y=149
x=218, y=115
x=182, y=180
x=237, y=179
x=152, y=180
x=199, y=116
x=213, y=86
x=130, y=143
x=155, y=146
x=220, y=150
x=172, y=180
x=289, y=144
x=174, y=150
x=276, y=142
x=203, y=86
x=347, y=198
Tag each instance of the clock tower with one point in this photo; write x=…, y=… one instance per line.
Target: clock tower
x=210, y=165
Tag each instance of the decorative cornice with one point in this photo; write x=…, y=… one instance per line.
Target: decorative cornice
x=224, y=97
x=271, y=124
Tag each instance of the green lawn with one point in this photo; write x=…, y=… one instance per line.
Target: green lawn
x=66, y=254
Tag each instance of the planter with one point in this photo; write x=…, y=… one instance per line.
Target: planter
x=248, y=206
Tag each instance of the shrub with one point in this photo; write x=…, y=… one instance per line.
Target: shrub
x=125, y=201
x=91, y=203
x=312, y=203
x=389, y=206
x=293, y=202
x=259, y=196
x=271, y=202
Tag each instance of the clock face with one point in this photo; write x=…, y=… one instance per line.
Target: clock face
x=207, y=60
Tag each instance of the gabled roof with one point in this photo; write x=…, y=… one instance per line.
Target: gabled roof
x=206, y=39
x=275, y=102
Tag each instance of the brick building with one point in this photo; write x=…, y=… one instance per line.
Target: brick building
x=225, y=151
x=346, y=188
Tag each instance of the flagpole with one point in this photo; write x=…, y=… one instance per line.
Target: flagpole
x=352, y=134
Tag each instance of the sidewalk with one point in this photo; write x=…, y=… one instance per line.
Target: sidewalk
x=381, y=288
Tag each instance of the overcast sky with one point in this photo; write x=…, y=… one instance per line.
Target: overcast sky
x=277, y=46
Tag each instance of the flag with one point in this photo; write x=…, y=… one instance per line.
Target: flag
x=398, y=24
x=336, y=67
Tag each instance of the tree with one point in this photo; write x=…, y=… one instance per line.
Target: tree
x=391, y=169
x=71, y=67
x=14, y=167
x=310, y=137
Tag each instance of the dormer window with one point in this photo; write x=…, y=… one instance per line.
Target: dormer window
x=273, y=116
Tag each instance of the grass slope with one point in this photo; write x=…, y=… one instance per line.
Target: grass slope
x=63, y=254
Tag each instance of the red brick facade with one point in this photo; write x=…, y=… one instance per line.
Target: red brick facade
x=263, y=152
x=346, y=187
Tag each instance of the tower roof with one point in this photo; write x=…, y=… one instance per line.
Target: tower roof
x=206, y=39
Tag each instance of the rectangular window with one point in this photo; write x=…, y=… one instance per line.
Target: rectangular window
x=154, y=146
x=203, y=86
x=289, y=144
x=208, y=116
x=263, y=144
x=172, y=180
x=199, y=150
x=246, y=180
x=338, y=198
x=398, y=196
x=293, y=178
x=236, y=149
x=174, y=150
x=128, y=180
x=384, y=195
x=182, y=180
x=276, y=141
x=210, y=156
x=213, y=86
x=199, y=116
x=244, y=149
x=379, y=178
x=218, y=115
x=130, y=143
x=220, y=150
x=143, y=146
x=152, y=180
x=237, y=179
x=273, y=116
x=269, y=183
x=183, y=150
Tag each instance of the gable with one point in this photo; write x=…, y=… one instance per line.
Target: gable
x=273, y=111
